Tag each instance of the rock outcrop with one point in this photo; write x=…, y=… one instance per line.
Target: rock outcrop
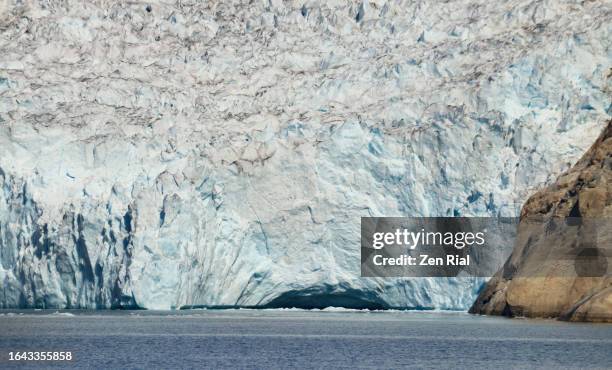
x=561, y=265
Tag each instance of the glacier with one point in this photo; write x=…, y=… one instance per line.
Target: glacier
x=220, y=154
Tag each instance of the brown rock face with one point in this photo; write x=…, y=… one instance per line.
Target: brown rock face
x=561, y=265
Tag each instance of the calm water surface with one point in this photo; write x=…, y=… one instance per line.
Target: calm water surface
x=261, y=339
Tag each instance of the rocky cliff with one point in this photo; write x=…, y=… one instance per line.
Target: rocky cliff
x=562, y=262
x=190, y=153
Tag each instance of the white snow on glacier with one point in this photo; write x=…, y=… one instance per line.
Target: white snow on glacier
x=222, y=153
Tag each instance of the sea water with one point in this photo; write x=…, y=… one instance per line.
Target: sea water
x=331, y=338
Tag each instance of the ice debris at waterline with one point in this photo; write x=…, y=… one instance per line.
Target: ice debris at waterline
x=222, y=154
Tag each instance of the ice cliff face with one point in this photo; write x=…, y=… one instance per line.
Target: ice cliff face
x=222, y=153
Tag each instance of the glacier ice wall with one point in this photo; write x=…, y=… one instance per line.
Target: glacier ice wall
x=222, y=153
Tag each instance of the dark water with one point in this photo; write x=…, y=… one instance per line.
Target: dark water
x=301, y=339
